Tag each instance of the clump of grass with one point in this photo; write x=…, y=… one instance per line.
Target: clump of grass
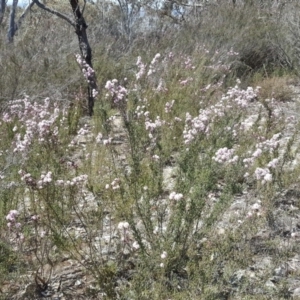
x=276, y=87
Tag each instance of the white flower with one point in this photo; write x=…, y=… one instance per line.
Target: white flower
x=164, y=255
x=135, y=245
x=155, y=157
x=273, y=163
x=257, y=153
x=123, y=225
x=268, y=177
x=177, y=197
x=172, y=195
x=256, y=206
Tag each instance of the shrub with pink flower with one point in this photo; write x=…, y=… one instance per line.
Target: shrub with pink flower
x=38, y=121
x=225, y=155
x=116, y=91
x=13, y=225
x=263, y=175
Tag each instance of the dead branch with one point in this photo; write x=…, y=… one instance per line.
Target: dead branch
x=54, y=12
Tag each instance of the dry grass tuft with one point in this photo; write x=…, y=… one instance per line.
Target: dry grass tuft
x=277, y=88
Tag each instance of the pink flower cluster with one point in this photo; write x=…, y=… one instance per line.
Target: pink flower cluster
x=45, y=180
x=83, y=131
x=37, y=120
x=161, y=86
x=196, y=126
x=225, y=155
x=142, y=68
x=273, y=163
x=152, y=64
x=140, y=111
x=152, y=126
x=231, y=52
x=116, y=91
x=80, y=180
x=175, y=196
x=270, y=145
x=241, y=97
x=263, y=175
x=126, y=237
x=266, y=146
x=199, y=125
x=87, y=71
x=115, y=184
x=12, y=219
x=27, y=178
x=187, y=62
x=14, y=225
x=169, y=106
x=151, y=70
x=255, y=210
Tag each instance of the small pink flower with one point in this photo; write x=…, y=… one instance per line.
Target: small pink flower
x=12, y=215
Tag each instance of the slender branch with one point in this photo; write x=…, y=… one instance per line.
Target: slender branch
x=83, y=7
x=54, y=12
x=22, y=17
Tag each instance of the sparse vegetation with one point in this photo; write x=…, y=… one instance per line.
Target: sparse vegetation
x=184, y=182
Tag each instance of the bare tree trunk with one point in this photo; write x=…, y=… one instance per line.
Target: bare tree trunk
x=85, y=49
x=12, y=24
x=84, y=46
x=2, y=9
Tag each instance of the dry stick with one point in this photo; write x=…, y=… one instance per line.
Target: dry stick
x=54, y=12
x=84, y=46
